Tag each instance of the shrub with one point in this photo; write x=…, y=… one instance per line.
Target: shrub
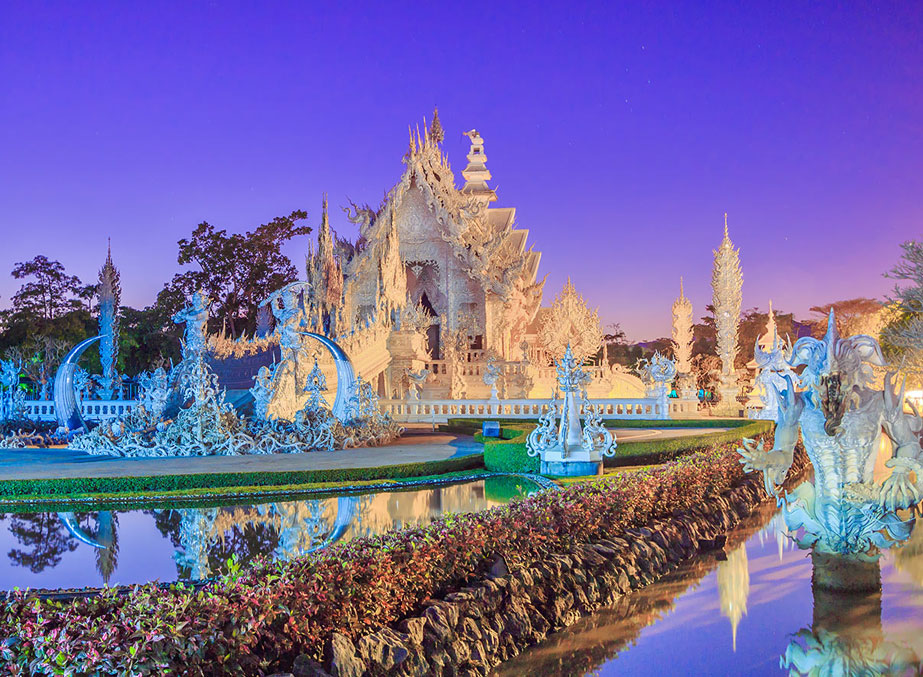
x=260, y=619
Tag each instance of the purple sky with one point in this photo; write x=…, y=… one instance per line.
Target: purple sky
x=620, y=132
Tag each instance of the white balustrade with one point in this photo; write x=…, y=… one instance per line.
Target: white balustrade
x=92, y=410
x=439, y=411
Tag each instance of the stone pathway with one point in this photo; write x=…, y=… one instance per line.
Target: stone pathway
x=417, y=445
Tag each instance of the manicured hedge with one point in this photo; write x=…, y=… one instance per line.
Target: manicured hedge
x=258, y=620
x=509, y=453
x=110, y=486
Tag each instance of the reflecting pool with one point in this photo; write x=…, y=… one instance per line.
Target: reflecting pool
x=72, y=550
x=753, y=613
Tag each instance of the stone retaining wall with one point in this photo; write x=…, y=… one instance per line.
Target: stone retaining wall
x=478, y=627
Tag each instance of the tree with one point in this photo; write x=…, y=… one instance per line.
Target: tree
x=853, y=316
x=50, y=293
x=903, y=336
x=237, y=271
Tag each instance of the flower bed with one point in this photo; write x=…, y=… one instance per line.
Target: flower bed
x=260, y=619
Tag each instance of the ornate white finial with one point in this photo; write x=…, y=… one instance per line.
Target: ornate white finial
x=436, y=133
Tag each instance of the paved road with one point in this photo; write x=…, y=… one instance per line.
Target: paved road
x=417, y=445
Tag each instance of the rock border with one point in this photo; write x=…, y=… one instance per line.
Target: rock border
x=472, y=630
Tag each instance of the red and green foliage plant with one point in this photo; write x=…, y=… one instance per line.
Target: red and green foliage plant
x=258, y=620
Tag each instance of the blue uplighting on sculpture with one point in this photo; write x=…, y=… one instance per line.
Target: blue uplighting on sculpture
x=843, y=513
x=66, y=406
x=109, y=297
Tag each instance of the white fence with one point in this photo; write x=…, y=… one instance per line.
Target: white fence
x=92, y=410
x=439, y=411
x=425, y=411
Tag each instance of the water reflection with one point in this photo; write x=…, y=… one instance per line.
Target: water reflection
x=733, y=588
x=54, y=550
x=763, y=588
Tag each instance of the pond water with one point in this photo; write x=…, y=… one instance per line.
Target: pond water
x=73, y=550
x=752, y=614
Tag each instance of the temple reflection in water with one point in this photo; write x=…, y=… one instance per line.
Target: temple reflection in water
x=204, y=539
x=758, y=587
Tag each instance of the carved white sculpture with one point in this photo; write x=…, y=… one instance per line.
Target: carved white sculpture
x=658, y=373
x=262, y=392
x=569, y=448
x=492, y=374
x=154, y=391
x=210, y=426
x=773, y=368
x=726, y=281
x=416, y=379
x=11, y=398
x=841, y=419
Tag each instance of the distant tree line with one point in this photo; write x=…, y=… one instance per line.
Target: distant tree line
x=896, y=321
x=54, y=310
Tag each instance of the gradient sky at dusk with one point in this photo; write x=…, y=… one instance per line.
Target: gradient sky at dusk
x=621, y=132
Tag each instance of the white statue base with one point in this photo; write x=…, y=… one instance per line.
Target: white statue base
x=729, y=391
x=576, y=462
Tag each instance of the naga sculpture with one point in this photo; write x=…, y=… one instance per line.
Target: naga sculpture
x=847, y=519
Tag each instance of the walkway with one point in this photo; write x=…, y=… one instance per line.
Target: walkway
x=417, y=445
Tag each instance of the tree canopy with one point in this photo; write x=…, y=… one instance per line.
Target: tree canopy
x=237, y=270
x=49, y=291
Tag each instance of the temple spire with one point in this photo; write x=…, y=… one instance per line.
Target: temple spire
x=436, y=134
x=476, y=174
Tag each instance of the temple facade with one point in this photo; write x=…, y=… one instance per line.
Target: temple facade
x=439, y=288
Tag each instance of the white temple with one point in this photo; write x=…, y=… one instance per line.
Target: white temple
x=440, y=278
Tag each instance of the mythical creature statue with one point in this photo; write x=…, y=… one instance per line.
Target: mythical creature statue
x=841, y=419
x=262, y=392
x=287, y=305
x=492, y=374
x=154, y=391
x=416, y=380
x=770, y=379
x=11, y=399
x=195, y=316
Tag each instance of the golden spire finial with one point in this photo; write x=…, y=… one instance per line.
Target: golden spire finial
x=681, y=292
x=726, y=226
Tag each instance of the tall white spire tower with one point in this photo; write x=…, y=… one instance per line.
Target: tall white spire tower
x=726, y=283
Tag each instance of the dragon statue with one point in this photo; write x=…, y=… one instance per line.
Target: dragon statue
x=844, y=514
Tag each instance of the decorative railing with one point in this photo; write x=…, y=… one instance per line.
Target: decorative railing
x=92, y=410
x=439, y=411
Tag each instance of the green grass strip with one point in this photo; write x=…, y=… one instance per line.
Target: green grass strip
x=236, y=482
